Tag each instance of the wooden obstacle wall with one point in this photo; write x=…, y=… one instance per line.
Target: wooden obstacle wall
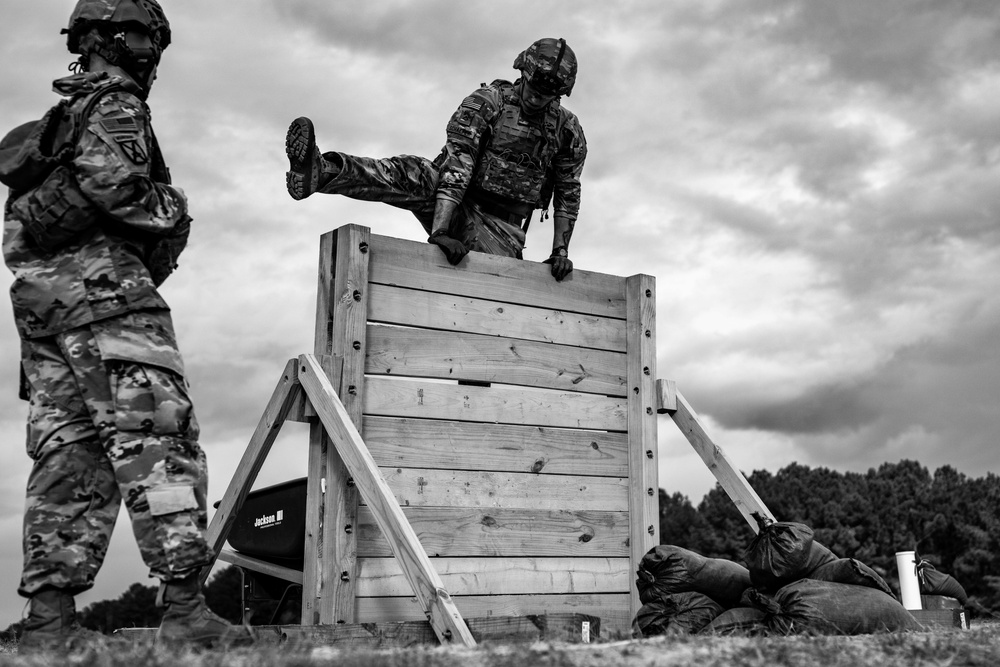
x=514, y=419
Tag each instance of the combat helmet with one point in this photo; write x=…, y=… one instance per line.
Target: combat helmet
x=548, y=65
x=91, y=13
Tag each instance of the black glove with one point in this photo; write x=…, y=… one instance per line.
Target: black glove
x=453, y=249
x=561, y=265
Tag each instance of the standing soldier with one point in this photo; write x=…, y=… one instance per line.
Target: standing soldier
x=511, y=148
x=91, y=227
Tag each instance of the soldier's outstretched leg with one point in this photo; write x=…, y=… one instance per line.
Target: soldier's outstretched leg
x=408, y=182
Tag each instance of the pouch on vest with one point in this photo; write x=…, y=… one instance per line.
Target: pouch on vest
x=56, y=211
x=27, y=154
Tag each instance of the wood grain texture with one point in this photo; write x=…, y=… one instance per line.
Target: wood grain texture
x=257, y=565
x=391, y=397
x=341, y=327
x=729, y=476
x=422, y=266
x=500, y=532
x=383, y=577
x=406, y=634
x=432, y=310
x=414, y=487
x=643, y=455
x=457, y=356
x=423, y=579
x=612, y=609
x=428, y=443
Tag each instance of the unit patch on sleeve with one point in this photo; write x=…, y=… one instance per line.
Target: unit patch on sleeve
x=132, y=147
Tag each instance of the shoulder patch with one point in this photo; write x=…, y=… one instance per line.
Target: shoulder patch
x=116, y=124
x=131, y=146
x=472, y=102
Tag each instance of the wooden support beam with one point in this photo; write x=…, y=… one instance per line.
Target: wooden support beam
x=262, y=566
x=427, y=586
x=322, y=502
x=666, y=396
x=278, y=407
x=640, y=296
x=732, y=480
x=341, y=315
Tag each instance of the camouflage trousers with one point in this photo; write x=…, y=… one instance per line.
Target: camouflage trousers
x=110, y=419
x=410, y=183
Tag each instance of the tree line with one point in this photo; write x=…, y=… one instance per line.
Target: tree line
x=946, y=517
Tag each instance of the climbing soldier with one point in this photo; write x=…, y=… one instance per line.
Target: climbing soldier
x=92, y=227
x=511, y=148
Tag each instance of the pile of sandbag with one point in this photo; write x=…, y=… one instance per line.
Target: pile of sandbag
x=790, y=584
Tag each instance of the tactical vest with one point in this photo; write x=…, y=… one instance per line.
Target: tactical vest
x=30, y=152
x=518, y=153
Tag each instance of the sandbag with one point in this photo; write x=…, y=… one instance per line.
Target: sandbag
x=829, y=608
x=934, y=582
x=783, y=552
x=745, y=621
x=667, y=569
x=675, y=614
x=851, y=571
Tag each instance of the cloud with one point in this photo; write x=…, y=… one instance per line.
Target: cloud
x=811, y=184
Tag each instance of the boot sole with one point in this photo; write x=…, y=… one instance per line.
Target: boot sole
x=302, y=177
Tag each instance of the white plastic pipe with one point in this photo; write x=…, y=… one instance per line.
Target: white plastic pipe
x=909, y=587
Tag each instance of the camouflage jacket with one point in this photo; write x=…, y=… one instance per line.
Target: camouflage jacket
x=102, y=229
x=495, y=148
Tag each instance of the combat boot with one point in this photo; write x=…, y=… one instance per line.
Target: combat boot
x=51, y=624
x=305, y=162
x=187, y=619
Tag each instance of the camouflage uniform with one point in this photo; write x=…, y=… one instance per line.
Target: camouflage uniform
x=498, y=164
x=110, y=416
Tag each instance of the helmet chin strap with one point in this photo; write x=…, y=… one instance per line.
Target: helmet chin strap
x=138, y=62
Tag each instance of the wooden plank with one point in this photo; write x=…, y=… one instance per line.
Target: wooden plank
x=571, y=628
x=341, y=328
x=428, y=443
x=434, y=598
x=640, y=293
x=732, y=480
x=313, y=573
x=321, y=546
x=383, y=577
x=415, y=487
x=422, y=266
x=497, y=532
x=427, y=399
x=666, y=396
x=937, y=619
x=407, y=634
x=262, y=566
x=432, y=310
x=613, y=609
x=253, y=457
x=457, y=356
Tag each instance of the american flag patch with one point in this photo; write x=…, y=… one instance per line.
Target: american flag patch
x=472, y=103
x=119, y=124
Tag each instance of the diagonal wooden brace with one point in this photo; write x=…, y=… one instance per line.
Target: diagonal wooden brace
x=441, y=611
x=671, y=402
x=282, y=399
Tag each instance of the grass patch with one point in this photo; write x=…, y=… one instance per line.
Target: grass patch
x=955, y=648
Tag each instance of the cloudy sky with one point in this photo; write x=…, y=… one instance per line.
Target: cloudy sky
x=813, y=185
